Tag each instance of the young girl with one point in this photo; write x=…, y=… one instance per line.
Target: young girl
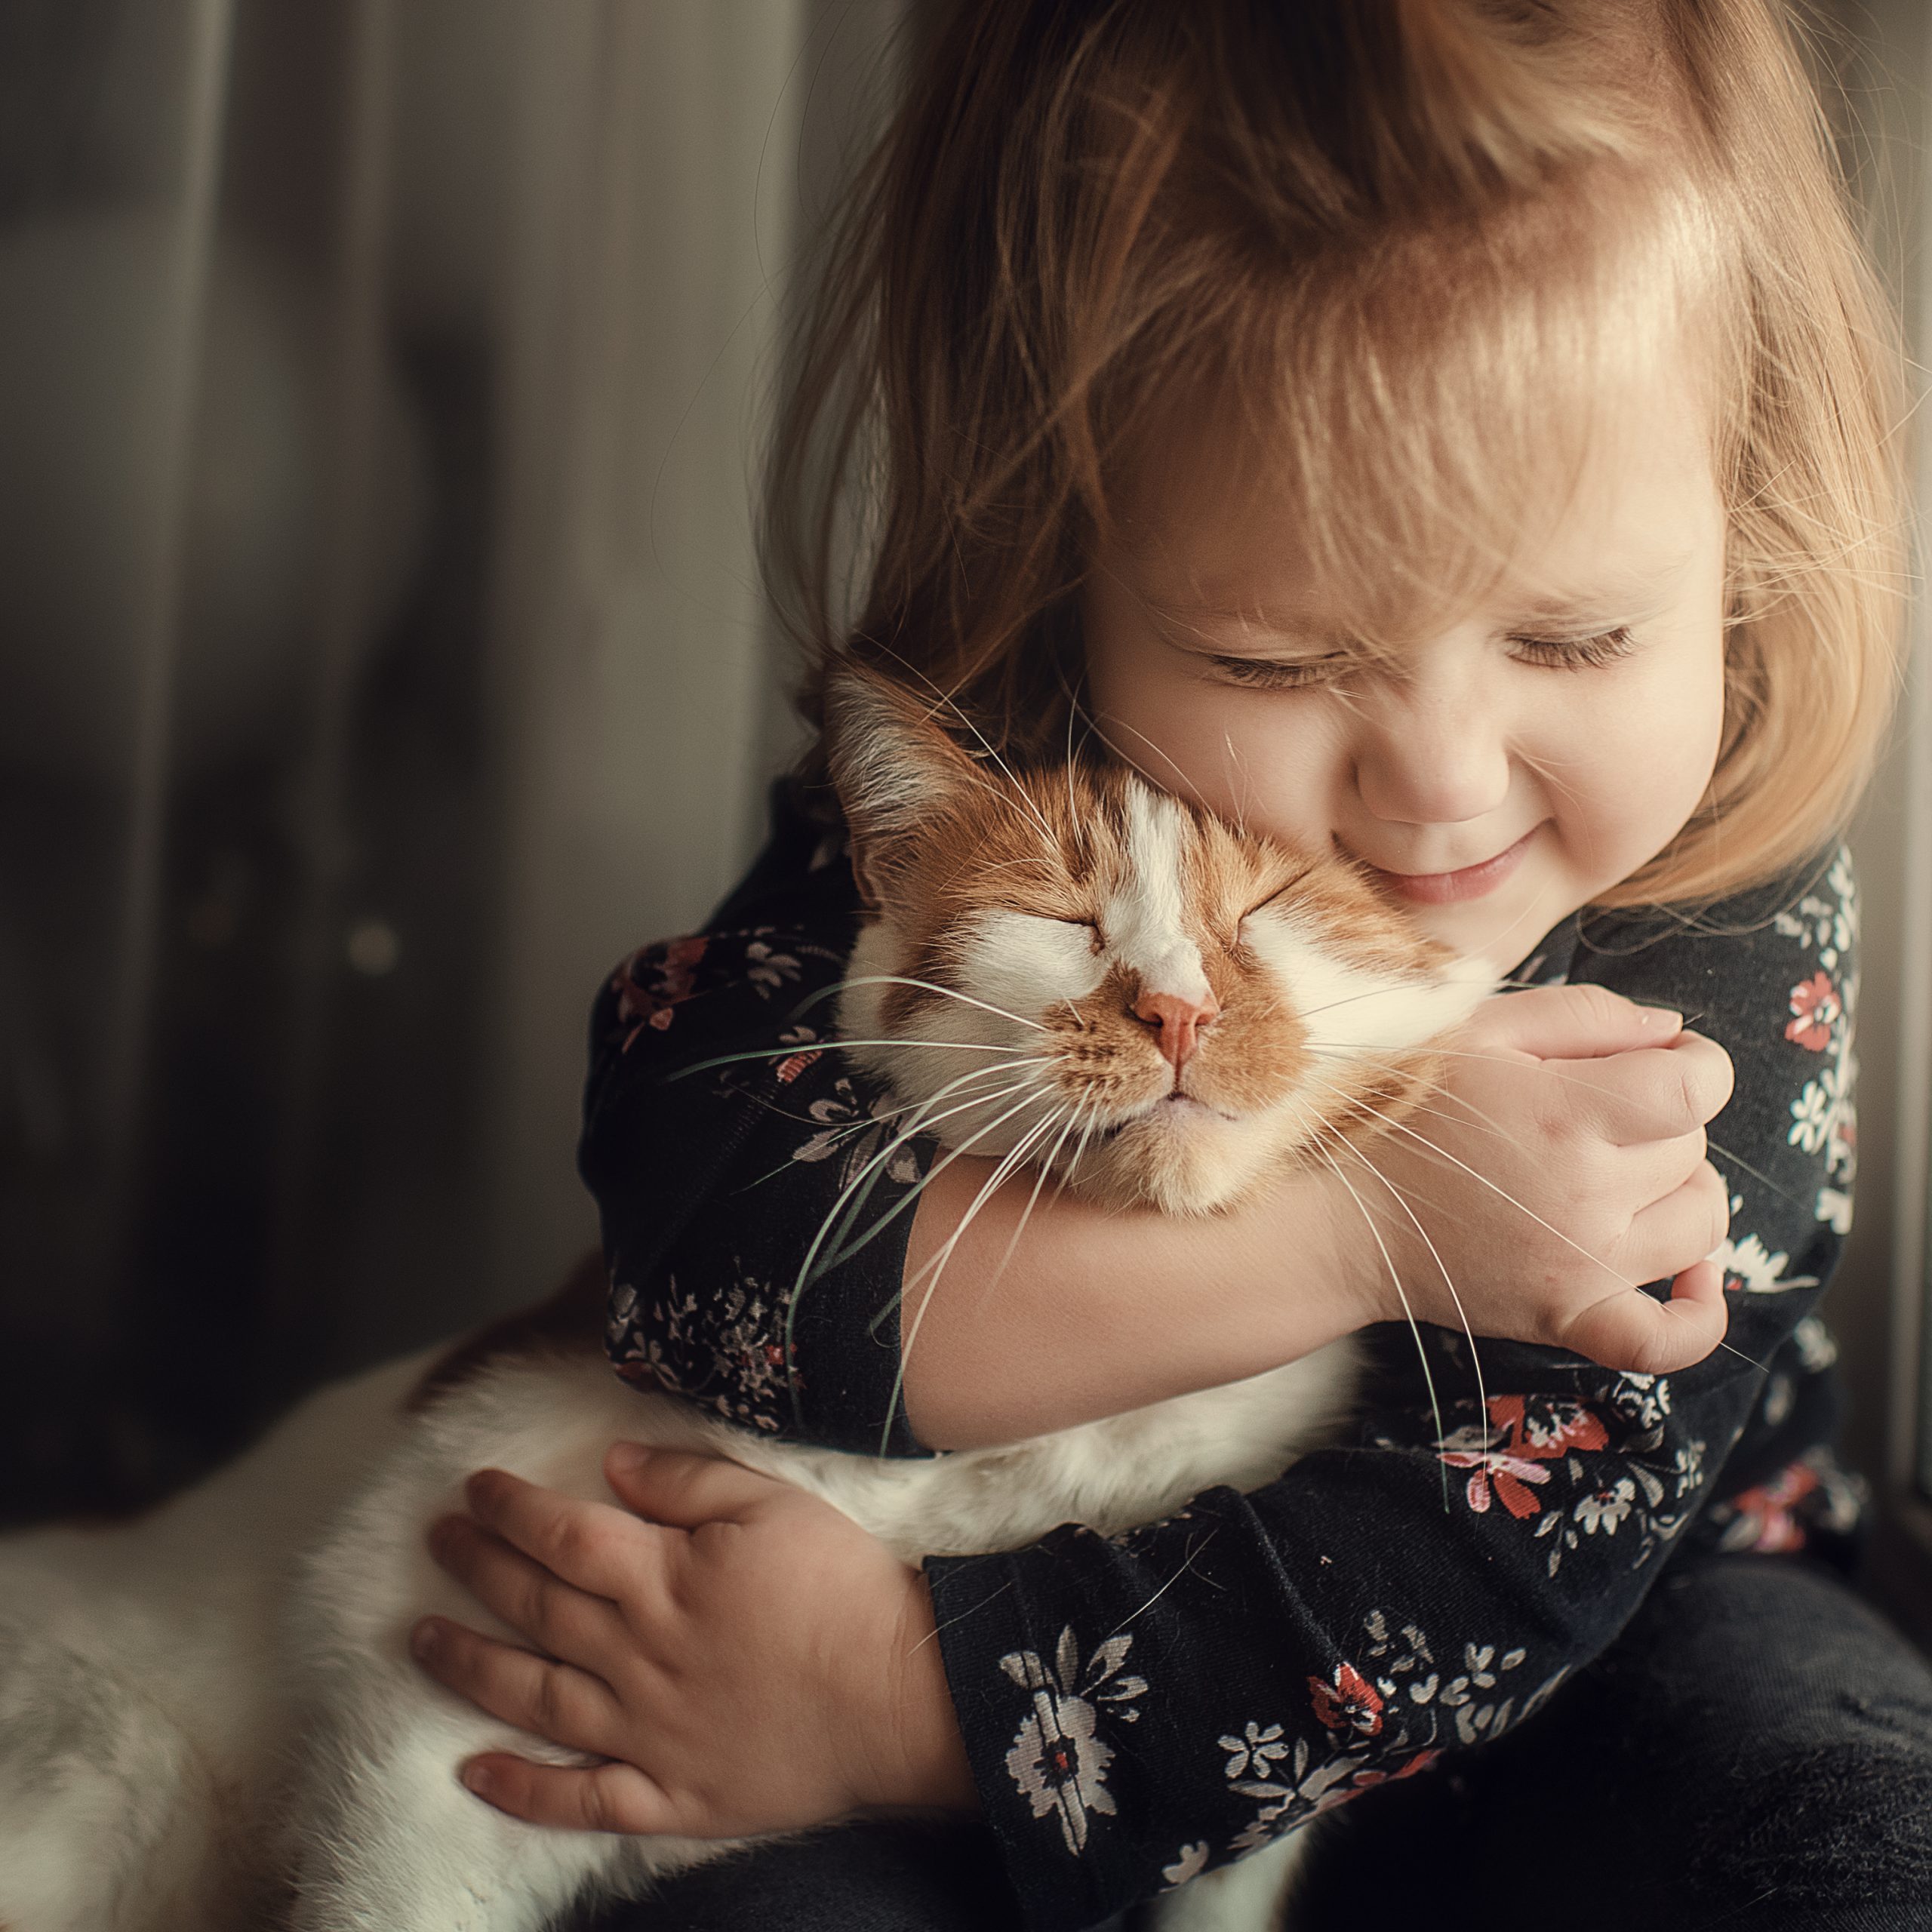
x=1455, y=433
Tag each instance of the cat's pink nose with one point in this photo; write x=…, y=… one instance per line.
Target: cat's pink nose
x=1180, y=1019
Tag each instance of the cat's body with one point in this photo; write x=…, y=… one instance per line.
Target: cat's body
x=209, y=1719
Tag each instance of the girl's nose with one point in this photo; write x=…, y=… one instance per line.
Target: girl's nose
x=1432, y=764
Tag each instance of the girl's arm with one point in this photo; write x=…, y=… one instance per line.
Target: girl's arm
x=1564, y=1161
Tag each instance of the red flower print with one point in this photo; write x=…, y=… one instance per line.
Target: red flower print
x=649, y=983
x=1770, y=1526
x=1816, y=1009
x=1545, y=1430
x=1350, y=1703
x=1506, y=1473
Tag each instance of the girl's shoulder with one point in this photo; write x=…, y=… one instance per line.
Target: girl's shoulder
x=782, y=937
x=1774, y=966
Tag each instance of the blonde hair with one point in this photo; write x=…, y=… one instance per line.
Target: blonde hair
x=1404, y=238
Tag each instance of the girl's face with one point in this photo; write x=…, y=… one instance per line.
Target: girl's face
x=1498, y=770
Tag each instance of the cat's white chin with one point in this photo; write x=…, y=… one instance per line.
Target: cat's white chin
x=1180, y=1156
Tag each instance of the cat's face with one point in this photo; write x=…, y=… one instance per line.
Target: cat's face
x=1074, y=970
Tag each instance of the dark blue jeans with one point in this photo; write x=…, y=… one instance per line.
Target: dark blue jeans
x=1754, y=1754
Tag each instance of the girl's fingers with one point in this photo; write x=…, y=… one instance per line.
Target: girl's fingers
x=1630, y=1330
x=1655, y=1170
x=1572, y=1022
x=549, y=1699
x=684, y=1489
x=1656, y=1094
x=563, y=1620
x=1676, y=1233
x=593, y=1545
x=614, y=1796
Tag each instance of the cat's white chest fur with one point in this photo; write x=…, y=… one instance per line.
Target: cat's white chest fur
x=260, y=1706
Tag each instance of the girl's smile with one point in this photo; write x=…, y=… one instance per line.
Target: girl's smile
x=1450, y=888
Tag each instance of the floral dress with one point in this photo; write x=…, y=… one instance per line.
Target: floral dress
x=1139, y=1709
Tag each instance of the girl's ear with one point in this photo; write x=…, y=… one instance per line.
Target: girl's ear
x=894, y=768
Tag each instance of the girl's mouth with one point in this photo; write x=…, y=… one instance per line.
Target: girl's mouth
x=1449, y=888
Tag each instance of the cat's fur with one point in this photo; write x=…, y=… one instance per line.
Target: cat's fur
x=209, y=1719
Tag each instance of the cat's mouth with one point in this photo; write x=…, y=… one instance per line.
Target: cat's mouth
x=1174, y=1108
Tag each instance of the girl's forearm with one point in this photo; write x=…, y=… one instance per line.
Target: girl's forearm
x=1039, y=1321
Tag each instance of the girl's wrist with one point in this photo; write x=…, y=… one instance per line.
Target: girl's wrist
x=1336, y=1276
x=929, y=1767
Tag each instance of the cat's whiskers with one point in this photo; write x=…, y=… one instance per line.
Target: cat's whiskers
x=1570, y=1079
x=1478, y=1113
x=1596, y=1260
x=1383, y=993
x=1402, y=1295
x=918, y=1187
x=924, y=1118
x=966, y=719
x=877, y=1116
x=922, y=1124
x=1186, y=790
x=1033, y=1200
x=929, y=1272
x=827, y=1046
x=1462, y=1314
x=926, y=985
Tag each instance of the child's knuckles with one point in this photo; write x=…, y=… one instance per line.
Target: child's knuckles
x=574, y=1543
x=1707, y=1073
x=1711, y=1188
x=1597, y=1012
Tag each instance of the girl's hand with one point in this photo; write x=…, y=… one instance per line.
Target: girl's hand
x=1567, y=1166
x=747, y=1658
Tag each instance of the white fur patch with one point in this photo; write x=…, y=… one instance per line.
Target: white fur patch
x=1027, y=963
x=1352, y=1009
x=1144, y=922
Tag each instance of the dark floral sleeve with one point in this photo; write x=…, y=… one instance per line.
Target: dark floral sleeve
x=752, y=1190
x=1141, y=1708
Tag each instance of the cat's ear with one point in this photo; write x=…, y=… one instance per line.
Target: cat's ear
x=894, y=769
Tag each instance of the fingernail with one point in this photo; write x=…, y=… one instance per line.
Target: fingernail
x=627, y=1458
x=422, y=1639
x=1661, y=1019
x=479, y=1778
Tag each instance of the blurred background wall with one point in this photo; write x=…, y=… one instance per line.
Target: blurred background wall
x=381, y=387
x=380, y=652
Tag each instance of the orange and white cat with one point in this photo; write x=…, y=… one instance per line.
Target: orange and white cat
x=210, y=1719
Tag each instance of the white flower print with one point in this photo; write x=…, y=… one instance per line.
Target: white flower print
x=1189, y=1862
x=1255, y=1747
x=1834, y=1208
x=1747, y=1264
x=768, y=969
x=1604, y=1509
x=1058, y=1759
x=1815, y=1349
x=857, y=1128
x=1814, y=1113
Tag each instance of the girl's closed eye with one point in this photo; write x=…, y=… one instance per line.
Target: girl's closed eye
x=1575, y=653
x=1561, y=653
x=1277, y=674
